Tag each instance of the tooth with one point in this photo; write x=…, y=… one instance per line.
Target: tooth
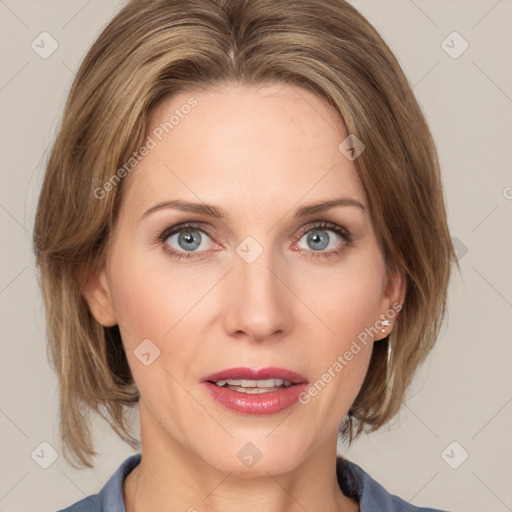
x=268, y=383
x=248, y=383
x=252, y=391
x=254, y=384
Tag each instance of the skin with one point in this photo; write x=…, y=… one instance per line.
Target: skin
x=259, y=153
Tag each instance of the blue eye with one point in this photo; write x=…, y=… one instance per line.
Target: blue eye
x=188, y=238
x=318, y=239
x=191, y=240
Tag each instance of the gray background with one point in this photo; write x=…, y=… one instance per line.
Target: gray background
x=463, y=394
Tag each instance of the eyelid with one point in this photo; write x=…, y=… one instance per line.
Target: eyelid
x=325, y=224
x=176, y=228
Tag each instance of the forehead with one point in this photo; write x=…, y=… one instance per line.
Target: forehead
x=271, y=145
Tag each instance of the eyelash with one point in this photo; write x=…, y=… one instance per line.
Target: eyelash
x=328, y=226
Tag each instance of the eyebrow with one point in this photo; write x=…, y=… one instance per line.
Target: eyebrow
x=219, y=213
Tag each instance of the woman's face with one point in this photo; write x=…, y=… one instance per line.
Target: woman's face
x=265, y=285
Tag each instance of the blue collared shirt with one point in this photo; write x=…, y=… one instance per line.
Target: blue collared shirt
x=352, y=479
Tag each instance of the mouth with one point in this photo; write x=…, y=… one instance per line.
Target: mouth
x=255, y=391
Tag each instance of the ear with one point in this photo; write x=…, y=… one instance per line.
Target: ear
x=96, y=292
x=392, y=299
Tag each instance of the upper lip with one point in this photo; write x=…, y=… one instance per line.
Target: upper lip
x=256, y=374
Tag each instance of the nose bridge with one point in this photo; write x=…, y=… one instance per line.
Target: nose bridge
x=258, y=304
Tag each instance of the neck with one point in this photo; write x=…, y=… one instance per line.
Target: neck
x=171, y=477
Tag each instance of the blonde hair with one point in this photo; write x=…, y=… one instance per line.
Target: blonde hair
x=155, y=48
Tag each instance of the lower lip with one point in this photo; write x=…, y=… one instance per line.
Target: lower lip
x=263, y=403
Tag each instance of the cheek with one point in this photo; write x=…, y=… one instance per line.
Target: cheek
x=152, y=314
x=346, y=303
x=148, y=299
x=346, y=300
x=153, y=303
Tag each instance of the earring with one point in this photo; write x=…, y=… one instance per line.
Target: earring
x=386, y=323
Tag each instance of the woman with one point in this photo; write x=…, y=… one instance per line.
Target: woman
x=242, y=229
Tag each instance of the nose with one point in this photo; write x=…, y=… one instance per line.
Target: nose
x=258, y=302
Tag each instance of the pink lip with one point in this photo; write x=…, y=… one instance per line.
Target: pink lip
x=263, y=403
x=256, y=374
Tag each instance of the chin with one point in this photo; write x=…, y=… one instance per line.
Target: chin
x=256, y=458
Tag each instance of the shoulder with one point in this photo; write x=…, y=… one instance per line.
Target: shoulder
x=110, y=498
x=355, y=482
